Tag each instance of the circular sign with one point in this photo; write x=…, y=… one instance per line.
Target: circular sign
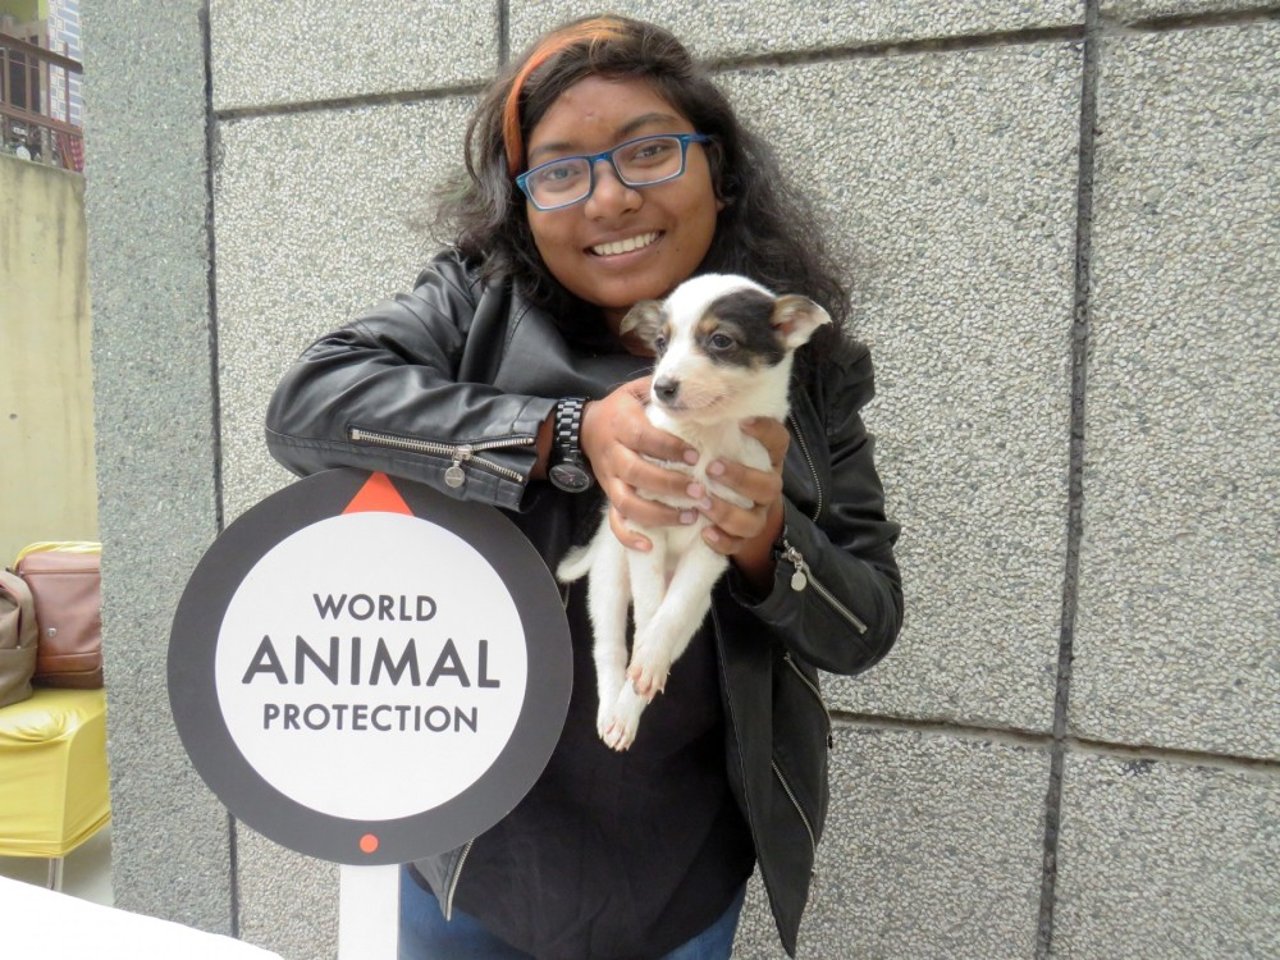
x=367, y=671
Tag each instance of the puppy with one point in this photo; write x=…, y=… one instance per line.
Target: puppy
x=725, y=347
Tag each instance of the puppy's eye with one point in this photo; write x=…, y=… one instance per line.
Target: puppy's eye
x=659, y=343
x=720, y=341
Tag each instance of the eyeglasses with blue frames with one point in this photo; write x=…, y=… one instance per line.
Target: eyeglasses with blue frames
x=641, y=162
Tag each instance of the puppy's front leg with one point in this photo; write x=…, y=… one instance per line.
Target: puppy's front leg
x=648, y=578
x=608, y=596
x=647, y=573
x=684, y=606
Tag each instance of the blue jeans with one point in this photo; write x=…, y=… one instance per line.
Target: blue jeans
x=425, y=935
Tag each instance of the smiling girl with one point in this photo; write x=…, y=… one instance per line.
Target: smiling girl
x=604, y=168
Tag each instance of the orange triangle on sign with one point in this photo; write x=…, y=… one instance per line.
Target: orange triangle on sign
x=378, y=495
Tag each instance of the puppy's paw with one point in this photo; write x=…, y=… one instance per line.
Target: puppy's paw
x=605, y=719
x=618, y=737
x=618, y=730
x=608, y=685
x=648, y=671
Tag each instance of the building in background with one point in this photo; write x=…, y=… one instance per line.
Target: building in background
x=41, y=97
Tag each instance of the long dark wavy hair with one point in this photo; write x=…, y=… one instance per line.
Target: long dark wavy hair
x=765, y=230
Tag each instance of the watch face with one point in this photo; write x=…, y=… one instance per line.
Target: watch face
x=570, y=477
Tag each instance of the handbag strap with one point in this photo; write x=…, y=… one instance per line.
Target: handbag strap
x=17, y=588
x=60, y=546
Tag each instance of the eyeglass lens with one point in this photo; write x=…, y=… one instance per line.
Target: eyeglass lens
x=645, y=161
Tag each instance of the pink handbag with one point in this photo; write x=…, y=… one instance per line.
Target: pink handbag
x=65, y=583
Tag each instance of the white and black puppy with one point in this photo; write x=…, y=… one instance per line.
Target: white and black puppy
x=725, y=347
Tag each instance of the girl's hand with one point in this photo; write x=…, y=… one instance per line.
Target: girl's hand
x=616, y=438
x=747, y=534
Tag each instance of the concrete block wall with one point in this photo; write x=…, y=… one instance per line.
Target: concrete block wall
x=1059, y=222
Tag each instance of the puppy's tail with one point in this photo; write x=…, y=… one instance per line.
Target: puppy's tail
x=576, y=563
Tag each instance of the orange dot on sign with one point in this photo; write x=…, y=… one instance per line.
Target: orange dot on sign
x=368, y=843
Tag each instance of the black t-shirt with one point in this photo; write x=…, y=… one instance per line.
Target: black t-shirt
x=618, y=856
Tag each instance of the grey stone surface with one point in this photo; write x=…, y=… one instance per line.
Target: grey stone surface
x=933, y=849
x=1158, y=859
x=148, y=263
x=317, y=217
x=746, y=27
x=1179, y=594
x=948, y=183
x=1128, y=11
x=288, y=902
x=302, y=50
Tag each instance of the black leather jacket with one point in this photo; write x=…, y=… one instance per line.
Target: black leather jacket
x=463, y=373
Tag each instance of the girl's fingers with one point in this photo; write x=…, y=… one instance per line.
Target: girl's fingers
x=628, y=537
x=640, y=474
x=622, y=446
x=734, y=522
x=758, y=486
x=618, y=438
x=661, y=445
x=641, y=511
x=721, y=542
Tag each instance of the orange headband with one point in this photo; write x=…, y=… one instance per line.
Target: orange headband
x=594, y=31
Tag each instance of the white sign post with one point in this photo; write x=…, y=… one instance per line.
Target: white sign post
x=368, y=912
x=369, y=672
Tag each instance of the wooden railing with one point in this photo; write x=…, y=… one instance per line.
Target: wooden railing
x=28, y=88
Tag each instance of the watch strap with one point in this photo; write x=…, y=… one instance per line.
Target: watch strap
x=566, y=439
x=567, y=469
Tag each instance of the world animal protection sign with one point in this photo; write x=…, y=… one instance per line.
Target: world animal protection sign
x=367, y=671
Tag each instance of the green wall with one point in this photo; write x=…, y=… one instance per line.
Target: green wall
x=47, y=470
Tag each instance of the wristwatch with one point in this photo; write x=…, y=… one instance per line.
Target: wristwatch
x=568, y=470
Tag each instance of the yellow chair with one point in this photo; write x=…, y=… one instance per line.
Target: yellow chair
x=53, y=774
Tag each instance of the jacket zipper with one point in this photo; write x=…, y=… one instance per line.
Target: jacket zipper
x=803, y=577
x=459, y=453
x=452, y=886
x=817, y=695
x=804, y=448
x=813, y=842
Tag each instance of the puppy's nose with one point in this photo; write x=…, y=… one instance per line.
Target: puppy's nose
x=666, y=389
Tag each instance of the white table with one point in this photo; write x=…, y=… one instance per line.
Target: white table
x=54, y=926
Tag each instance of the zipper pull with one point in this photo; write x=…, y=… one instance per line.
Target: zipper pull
x=455, y=476
x=799, y=579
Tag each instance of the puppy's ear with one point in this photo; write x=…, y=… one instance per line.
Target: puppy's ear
x=645, y=318
x=795, y=318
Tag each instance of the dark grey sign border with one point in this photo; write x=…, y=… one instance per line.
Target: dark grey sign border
x=198, y=714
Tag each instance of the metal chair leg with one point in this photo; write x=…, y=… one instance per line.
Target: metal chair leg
x=55, y=873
